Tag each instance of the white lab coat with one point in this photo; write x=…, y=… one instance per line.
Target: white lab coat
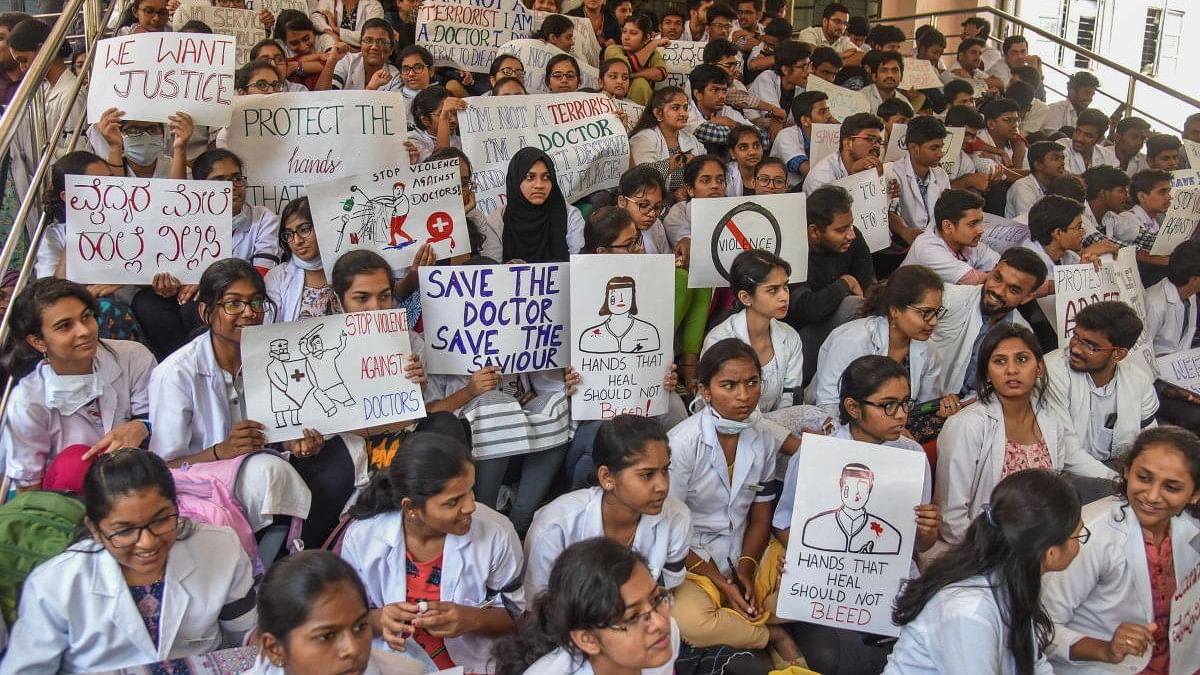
x=700, y=479
x=367, y=9
x=257, y=241
x=1058, y=115
x=950, y=344
x=1108, y=584
x=824, y=171
x=562, y=662
x=285, y=285
x=1069, y=391
x=1169, y=326
x=493, y=233
x=649, y=146
x=961, y=630
x=768, y=87
x=34, y=434
x=784, y=389
x=475, y=568
x=1022, y=195
x=791, y=143
x=860, y=337
x=931, y=250
x=917, y=211
x=663, y=539
x=77, y=614
x=971, y=460
x=1101, y=154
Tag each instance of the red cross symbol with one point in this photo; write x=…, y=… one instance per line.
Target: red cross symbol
x=877, y=529
x=440, y=226
x=297, y=375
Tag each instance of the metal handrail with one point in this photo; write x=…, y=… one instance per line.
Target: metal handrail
x=1129, y=111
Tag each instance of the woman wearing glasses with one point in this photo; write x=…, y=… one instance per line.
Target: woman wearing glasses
x=297, y=287
x=270, y=51
x=505, y=66
x=140, y=586
x=602, y=612
x=1112, y=608
x=145, y=16
x=369, y=69
x=770, y=177
x=1010, y=429
x=562, y=74
x=255, y=228
x=260, y=76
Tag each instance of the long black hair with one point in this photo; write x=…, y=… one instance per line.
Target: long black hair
x=1030, y=512
x=297, y=207
x=750, y=270
x=25, y=319
x=425, y=462
x=863, y=377
x=990, y=342
x=584, y=592
x=658, y=101
x=72, y=164
x=120, y=473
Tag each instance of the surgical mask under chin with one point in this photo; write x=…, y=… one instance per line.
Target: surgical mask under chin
x=144, y=149
x=410, y=93
x=727, y=426
x=310, y=265
x=69, y=393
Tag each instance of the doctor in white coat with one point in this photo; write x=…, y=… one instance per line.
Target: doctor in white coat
x=921, y=166
x=297, y=287
x=1104, y=607
x=439, y=568
x=88, y=608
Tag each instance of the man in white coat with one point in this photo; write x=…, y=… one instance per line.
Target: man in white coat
x=1171, y=318
x=920, y=175
x=954, y=249
x=1105, y=398
x=1083, y=150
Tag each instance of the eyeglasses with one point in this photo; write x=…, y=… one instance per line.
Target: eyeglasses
x=302, y=230
x=721, y=25
x=413, y=69
x=160, y=527
x=660, y=602
x=892, y=407
x=511, y=72
x=561, y=76
x=235, y=307
x=1090, y=347
x=377, y=42
x=771, y=181
x=164, y=12
x=647, y=209
x=873, y=140
x=634, y=246
x=1084, y=535
x=929, y=313
x=264, y=85
x=237, y=179
x=277, y=59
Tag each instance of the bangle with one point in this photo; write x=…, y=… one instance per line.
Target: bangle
x=116, y=166
x=746, y=557
x=695, y=565
x=214, y=452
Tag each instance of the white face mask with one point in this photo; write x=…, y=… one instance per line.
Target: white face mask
x=69, y=393
x=727, y=426
x=144, y=150
x=310, y=265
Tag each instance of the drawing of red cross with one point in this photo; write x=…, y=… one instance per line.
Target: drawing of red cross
x=877, y=529
x=297, y=375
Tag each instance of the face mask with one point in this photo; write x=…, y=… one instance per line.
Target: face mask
x=409, y=93
x=311, y=265
x=69, y=393
x=241, y=219
x=725, y=426
x=145, y=149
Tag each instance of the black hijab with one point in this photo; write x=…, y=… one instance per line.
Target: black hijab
x=534, y=234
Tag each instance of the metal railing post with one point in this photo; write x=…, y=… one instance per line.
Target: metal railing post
x=92, y=20
x=1129, y=98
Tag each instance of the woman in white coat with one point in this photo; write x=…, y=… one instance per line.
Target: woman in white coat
x=342, y=21
x=141, y=586
x=629, y=505
x=439, y=568
x=297, y=287
x=661, y=139
x=73, y=388
x=977, y=609
x=1010, y=429
x=1112, y=608
x=602, y=612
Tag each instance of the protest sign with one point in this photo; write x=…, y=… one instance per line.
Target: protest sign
x=870, y=207
x=843, y=102
x=824, y=142
x=1181, y=369
x=391, y=211
x=1180, y=221
x=1184, y=633
x=290, y=140
x=723, y=227
x=467, y=34
x=243, y=25
x=1185, y=179
x=1129, y=283
x=580, y=132
x=152, y=76
x=535, y=54
x=897, y=146
x=125, y=230
x=919, y=74
x=585, y=49
x=277, y=6
x=330, y=373
x=1076, y=287
x=620, y=347
x=510, y=316
x=1001, y=234
x=953, y=149
x=846, y=579
x=681, y=57
x=1191, y=149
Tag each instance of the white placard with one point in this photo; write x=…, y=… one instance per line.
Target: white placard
x=580, y=132
x=1129, y=283
x=585, y=48
x=621, y=347
x=870, y=207
x=125, y=230
x=243, y=25
x=919, y=74
x=391, y=211
x=1076, y=287
x=850, y=581
x=1180, y=221
x=1001, y=234
x=510, y=316
x=843, y=102
x=1191, y=150
x=535, y=54
x=290, y=140
x=681, y=57
x=1181, y=369
x=1185, y=179
x=330, y=373
x=467, y=34
x=723, y=227
x=277, y=6
x=897, y=147
x=152, y=76
x=824, y=142
x=1184, y=634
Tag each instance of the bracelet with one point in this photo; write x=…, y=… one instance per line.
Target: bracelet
x=695, y=565
x=214, y=452
x=746, y=557
x=116, y=166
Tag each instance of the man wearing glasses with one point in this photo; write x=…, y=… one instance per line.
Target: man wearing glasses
x=368, y=69
x=832, y=33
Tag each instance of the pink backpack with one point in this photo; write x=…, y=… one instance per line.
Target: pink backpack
x=207, y=500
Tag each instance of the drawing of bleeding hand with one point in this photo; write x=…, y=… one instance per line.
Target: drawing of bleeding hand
x=414, y=370
x=572, y=379
x=308, y=446
x=485, y=379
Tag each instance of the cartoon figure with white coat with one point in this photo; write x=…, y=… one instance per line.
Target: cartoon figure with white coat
x=850, y=528
x=291, y=383
x=622, y=332
x=328, y=386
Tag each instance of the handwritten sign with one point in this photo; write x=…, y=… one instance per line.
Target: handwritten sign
x=290, y=140
x=681, y=57
x=243, y=25
x=825, y=138
x=585, y=49
x=843, y=102
x=897, y=146
x=277, y=6
x=850, y=580
x=1129, y=283
x=535, y=54
x=1001, y=234
x=152, y=76
x=125, y=230
x=870, y=207
x=330, y=373
x=510, y=316
x=1076, y=287
x=391, y=211
x=1180, y=221
x=1184, y=633
x=1182, y=369
x=919, y=74
x=1185, y=179
x=580, y=132
x=621, y=348
x=467, y=34
x=723, y=227
x=1191, y=149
